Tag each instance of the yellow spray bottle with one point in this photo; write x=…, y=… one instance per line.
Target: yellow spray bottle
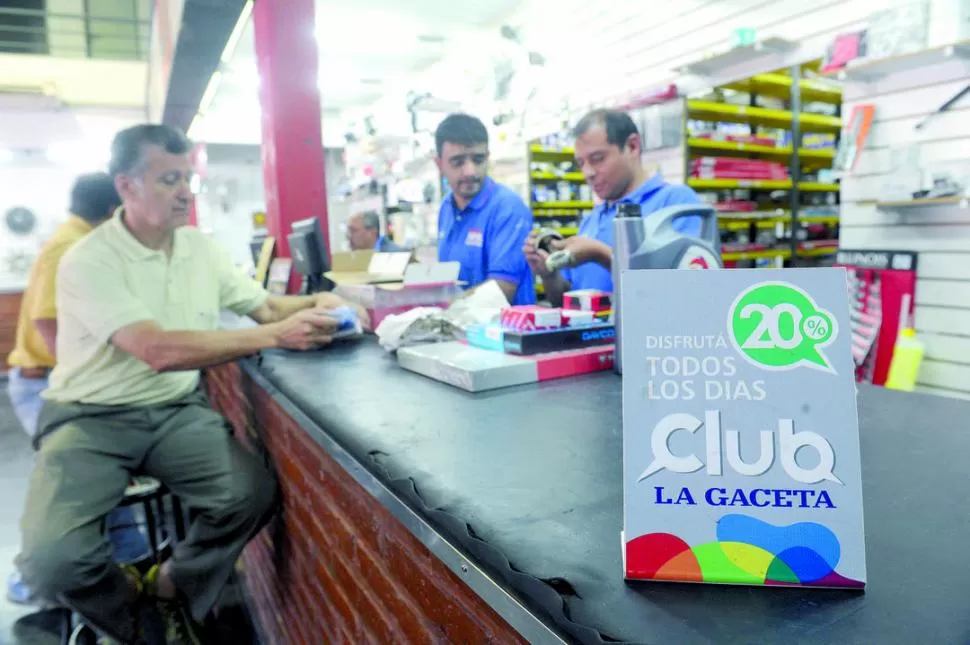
x=907, y=356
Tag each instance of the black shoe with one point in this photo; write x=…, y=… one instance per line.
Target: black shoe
x=179, y=628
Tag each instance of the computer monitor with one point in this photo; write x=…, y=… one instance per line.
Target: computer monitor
x=310, y=257
x=256, y=245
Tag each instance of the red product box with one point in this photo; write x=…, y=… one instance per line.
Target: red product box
x=574, y=362
x=737, y=138
x=587, y=300
x=531, y=318
x=736, y=206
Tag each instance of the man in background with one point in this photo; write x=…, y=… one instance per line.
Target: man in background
x=93, y=200
x=481, y=224
x=364, y=234
x=608, y=149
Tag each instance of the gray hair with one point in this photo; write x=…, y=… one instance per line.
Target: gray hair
x=371, y=220
x=128, y=147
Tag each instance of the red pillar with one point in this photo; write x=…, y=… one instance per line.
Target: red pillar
x=292, y=148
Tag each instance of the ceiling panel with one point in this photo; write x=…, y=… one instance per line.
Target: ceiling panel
x=367, y=48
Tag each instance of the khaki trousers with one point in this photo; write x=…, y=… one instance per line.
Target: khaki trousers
x=86, y=457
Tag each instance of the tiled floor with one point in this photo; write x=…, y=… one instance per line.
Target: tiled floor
x=23, y=625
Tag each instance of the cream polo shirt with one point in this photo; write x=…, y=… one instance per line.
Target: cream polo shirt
x=108, y=281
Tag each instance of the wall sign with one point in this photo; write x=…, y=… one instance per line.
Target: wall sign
x=740, y=429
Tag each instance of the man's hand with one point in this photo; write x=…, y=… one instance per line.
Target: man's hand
x=536, y=257
x=332, y=301
x=586, y=249
x=306, y=330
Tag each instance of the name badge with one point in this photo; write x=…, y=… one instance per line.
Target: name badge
x=474, y=238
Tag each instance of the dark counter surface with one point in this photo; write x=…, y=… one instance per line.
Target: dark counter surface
x=528, y=479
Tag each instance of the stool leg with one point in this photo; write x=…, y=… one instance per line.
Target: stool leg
x=163, y=529
x=67, y=626
x=150, y=525
x=179, y=518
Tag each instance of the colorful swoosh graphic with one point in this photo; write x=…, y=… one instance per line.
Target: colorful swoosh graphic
x=747, y=551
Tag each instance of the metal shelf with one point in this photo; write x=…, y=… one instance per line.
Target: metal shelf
x=814, y=158
x=956, y=200
x=779, y=86
x=551, y=176
x=757, y=116
x=867, y=71
x=729, y=58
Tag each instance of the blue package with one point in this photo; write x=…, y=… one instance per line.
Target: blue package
x=346, y=317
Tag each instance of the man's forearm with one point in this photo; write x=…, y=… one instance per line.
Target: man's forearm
x=604, y=256
x=554, y=286
x=282, y=307
x=172, y=351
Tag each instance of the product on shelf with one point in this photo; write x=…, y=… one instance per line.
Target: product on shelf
x=726, y=168
x=881, y=292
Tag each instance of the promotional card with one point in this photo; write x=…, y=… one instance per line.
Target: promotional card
x=740, y=429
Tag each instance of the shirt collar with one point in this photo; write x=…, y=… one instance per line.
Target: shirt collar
x=648, y=187
x=134, y=249
x=478, y=202
x=79, y=223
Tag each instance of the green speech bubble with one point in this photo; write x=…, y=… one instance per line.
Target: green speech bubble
x=778, y=326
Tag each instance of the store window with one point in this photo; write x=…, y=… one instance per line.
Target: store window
x=23, y=27
x=105, y=29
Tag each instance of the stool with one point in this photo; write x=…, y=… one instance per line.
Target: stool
x=150, y=494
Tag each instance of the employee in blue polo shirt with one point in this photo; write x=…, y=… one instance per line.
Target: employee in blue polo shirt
x=608, y=148
x=482, y=225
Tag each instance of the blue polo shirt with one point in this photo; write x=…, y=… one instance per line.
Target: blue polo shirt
x=487, y=238
x=653, y=195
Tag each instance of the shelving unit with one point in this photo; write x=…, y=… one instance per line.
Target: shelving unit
x=777, y=231
x=558, y=194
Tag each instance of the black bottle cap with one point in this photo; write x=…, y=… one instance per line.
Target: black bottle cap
x=626, y=209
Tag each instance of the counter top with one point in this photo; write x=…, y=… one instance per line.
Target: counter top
x=530, y=479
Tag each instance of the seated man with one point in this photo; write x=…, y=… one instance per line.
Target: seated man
x=608, y=149
x=138, y=310
x=364, y=234
x=93, y=200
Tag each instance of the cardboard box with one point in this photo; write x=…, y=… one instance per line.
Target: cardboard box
x=531, y=317
x=368, y=267
x=552, y=340
x=421, y=285
x=477, y=370
x=587, y=300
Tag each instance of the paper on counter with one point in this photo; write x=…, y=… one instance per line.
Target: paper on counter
x=433, y=324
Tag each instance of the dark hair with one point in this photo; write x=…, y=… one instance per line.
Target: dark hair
x=94, y=197
x=127, y=149
x=463, y=129
x=618, y=125
x=371, y=220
